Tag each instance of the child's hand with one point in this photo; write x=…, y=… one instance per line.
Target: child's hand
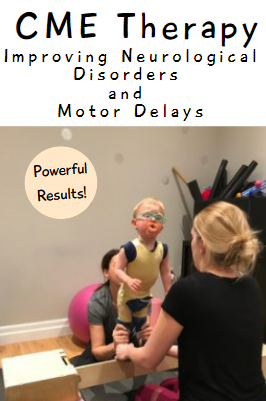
x=134, y=284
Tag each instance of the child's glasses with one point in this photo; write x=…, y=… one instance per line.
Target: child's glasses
x=152, y=216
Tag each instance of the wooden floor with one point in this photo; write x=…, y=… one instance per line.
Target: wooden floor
x=69, y=344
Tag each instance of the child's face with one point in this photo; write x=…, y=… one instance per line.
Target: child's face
x=149, y=220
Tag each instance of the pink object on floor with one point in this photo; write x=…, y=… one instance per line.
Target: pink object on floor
x=171, y=384
x=153, y=392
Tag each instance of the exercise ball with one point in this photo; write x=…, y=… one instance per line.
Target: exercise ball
x=77, y=313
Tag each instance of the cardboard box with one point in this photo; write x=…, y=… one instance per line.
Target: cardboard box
x=43, y=376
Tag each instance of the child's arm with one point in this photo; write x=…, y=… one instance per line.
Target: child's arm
x=120, y=264
x=165, y=272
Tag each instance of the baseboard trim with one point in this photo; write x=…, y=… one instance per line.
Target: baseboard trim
x=34, y=331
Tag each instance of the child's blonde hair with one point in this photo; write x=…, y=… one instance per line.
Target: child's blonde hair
x=151, y=201
x=228, y=237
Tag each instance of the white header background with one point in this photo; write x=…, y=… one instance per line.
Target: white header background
x=225, y=93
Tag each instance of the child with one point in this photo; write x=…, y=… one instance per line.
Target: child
x=139, y=263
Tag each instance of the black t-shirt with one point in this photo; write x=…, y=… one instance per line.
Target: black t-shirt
x=221, y=342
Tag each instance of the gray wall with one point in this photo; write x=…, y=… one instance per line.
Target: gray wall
x=45, y=261
x=241, y=145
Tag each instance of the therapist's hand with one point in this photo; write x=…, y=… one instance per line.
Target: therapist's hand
x=145, y=331
x=120, y=335
x=122, y=351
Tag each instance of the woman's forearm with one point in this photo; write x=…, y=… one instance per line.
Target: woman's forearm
x=137, y=356
x=104, y=352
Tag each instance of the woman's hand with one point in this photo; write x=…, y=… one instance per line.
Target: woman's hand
x=120, y=335
x=122, y=351
x=145, y=331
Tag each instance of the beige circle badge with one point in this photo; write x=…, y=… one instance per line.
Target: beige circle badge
x=61, y=182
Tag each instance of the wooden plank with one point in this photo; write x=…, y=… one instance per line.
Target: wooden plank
x=110, y=371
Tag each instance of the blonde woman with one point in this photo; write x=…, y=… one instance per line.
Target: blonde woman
x=215, y=313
